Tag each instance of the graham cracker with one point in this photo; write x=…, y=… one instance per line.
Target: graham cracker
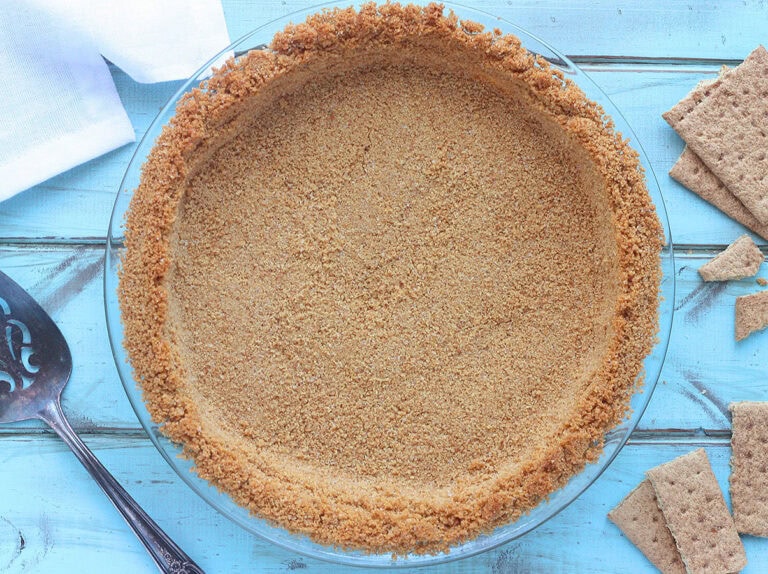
x=685, y=106
x=751, y=314
x=727, y=130
x=749, y=467
x=741, y=259
x=693, y=506
x=640, y=519
x=693, y=173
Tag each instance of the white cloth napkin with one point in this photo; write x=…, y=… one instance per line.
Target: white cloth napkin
x=58, y=104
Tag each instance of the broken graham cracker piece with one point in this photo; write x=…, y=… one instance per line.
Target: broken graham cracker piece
x=749, y=467
x=693, y=173
x=693, y=506
x=751, y=314
x=727, y=130
x=741, y=259
x=640, y=519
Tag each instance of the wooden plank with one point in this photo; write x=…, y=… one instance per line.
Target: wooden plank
x=76, y=205
x=67, y=282
x=705, y=367
x=68, y=525
x=655, y=29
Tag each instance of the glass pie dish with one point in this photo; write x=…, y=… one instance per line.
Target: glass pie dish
x=614, y=439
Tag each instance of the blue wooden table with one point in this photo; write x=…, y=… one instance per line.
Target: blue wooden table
x=645, y=56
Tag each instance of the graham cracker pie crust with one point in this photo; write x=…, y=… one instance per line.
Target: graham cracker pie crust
x=390, y=281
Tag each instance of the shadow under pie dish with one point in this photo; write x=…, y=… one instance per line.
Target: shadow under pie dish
x=390, y=281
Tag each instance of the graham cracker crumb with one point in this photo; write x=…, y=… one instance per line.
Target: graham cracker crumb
x=391, y=281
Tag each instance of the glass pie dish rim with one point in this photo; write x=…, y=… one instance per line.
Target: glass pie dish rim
x=557, y=501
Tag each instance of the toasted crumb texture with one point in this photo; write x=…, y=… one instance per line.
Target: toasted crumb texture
x=741, y=259
x=751, y=314
x=390, y=281
x=641, y=520
x=690, y=498
x=749, y=467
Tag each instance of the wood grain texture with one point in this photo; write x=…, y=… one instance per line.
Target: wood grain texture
x=655, y=29
x=68, y=526
x=76, y=205
x=646, y=57
x=705, y=367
